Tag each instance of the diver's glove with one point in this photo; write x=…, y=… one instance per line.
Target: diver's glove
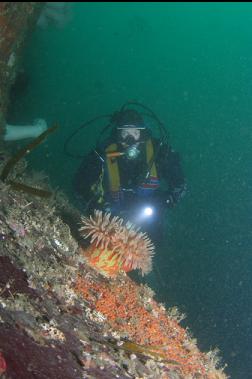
x=165, y=199
x=169, y=201
x=107, y=208
x=177, y=194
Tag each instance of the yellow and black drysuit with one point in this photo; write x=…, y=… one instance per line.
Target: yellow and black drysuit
x=108, y=177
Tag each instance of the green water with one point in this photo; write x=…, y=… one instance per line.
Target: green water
x=192, y=64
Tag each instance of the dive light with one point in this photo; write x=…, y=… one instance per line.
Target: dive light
x=147, y=211
x=144, y=214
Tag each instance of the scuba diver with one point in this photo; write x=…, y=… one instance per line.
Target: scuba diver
x=131, y=174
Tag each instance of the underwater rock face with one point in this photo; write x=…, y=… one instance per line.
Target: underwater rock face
x=16, y=21
x=54, y=303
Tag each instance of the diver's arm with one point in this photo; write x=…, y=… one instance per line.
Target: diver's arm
x=170, y=168
x=86, y=175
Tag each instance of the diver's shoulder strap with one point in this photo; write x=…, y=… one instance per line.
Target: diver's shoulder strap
x=150, y=158
x=113, y=169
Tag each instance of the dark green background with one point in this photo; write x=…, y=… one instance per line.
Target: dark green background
x=192, y=64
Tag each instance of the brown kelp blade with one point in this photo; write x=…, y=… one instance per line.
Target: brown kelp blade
x=19, y=155
x=28, y=189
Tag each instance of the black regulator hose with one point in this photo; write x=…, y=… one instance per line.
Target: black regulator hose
x=83, y=126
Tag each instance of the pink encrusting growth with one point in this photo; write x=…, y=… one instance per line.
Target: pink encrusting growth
x=115, y=246
x=3, y=365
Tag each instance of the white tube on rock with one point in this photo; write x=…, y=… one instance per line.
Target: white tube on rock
x=17, y=132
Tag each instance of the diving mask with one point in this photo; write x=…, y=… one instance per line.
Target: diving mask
x=130, y=133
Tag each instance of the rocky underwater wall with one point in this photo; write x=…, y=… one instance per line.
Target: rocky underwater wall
x=60, y=316
x=16, y=22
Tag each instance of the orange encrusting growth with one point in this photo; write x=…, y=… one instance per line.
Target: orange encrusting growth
x=144, y=322
x=129, y=308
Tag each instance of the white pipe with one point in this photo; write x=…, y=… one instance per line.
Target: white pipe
x=17, y=132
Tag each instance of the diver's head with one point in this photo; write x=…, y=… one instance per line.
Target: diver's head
x=129, y=135
x=130, y=132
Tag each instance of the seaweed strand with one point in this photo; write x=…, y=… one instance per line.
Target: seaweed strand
x=26, y=150
x=28, y=189
x=19, y=155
